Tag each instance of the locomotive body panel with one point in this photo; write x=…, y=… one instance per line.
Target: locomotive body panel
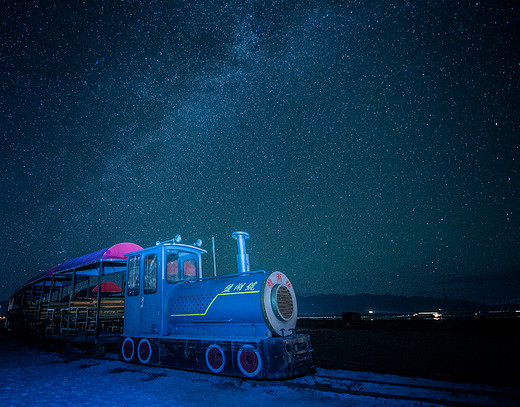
x=229, y=304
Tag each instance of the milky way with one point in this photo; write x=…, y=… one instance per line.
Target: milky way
x=365, y=146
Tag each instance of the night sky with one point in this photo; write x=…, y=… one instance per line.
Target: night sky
x=366, y=146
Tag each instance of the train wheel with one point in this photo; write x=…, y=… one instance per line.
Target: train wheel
x=128, y=349
x=144, y=351
x=249, y=361
x=215, y=359
x=99, y=352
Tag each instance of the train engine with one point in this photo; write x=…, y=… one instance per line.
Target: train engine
x=241, y=324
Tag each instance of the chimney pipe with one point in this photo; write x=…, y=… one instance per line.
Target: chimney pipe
x=242, y=256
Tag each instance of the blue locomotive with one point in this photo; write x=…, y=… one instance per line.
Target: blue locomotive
x=166, y=313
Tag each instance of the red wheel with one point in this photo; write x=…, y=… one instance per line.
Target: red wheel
x=249, y=361
x=144, y=351
x=127, y=349
x=215, y=359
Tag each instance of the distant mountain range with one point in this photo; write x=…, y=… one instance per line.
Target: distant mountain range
x=335, y=304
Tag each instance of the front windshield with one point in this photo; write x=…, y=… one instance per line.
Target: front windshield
x=181, y=266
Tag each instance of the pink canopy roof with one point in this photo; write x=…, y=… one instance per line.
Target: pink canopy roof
x=116, y=252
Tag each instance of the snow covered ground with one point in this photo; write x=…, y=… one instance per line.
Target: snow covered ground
x=30, y=377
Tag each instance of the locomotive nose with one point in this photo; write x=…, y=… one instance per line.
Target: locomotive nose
x=278, y=300
x=279, y=304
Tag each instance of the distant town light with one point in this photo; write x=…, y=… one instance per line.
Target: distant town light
x=428, y=315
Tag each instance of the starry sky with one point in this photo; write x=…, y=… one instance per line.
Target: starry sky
x=366, y=146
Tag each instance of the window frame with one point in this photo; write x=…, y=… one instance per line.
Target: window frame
x=150, y=269
x=182, y=258
x=133, y=286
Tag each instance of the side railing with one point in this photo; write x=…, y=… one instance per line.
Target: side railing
x=110, y=316
x=84, y=316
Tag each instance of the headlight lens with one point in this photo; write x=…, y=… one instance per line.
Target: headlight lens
x=282, y=302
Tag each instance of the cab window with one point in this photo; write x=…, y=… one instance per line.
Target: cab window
x=150, y=274
x=180, y=266
x=190, y=269
x=133, y=275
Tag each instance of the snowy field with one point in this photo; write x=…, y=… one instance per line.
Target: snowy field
x=30, y=377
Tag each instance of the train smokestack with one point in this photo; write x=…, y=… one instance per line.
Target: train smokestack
x=242, y=256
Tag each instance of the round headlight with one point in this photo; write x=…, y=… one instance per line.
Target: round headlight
x=282, y=302
x=279, y=304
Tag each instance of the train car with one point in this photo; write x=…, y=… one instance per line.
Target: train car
x=80, y=302
x=241, y=324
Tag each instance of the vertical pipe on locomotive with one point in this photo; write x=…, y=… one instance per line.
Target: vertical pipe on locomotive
x=214, y=256
x=242, y=256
